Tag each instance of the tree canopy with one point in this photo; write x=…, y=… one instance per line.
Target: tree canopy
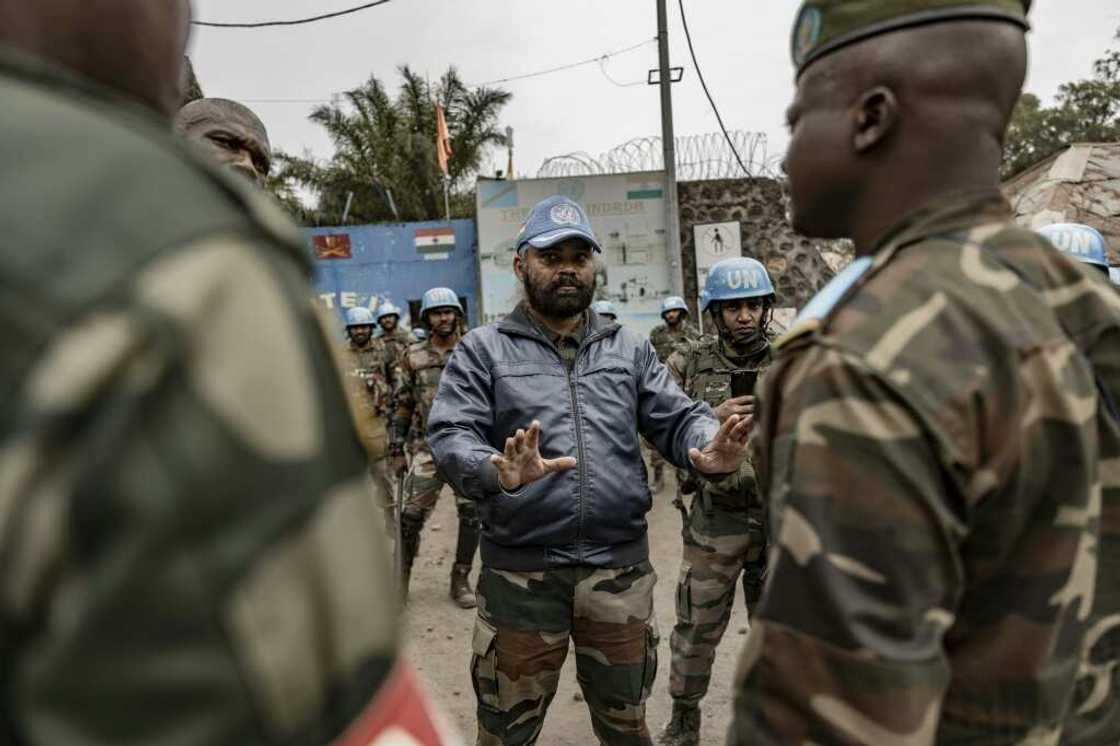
x=385, y=151
x=1083, y=111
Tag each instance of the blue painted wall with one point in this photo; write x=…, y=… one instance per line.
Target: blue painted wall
x=384, y=263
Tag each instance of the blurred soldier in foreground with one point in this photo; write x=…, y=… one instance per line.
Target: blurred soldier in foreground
x=605, y=309
x=185, y=534
x=665, y=338
x=535, y=420
x=724, y=535
x=229, y=134
x=367, y=367
x=935, y=428
x=416, y=381
x=396, y=338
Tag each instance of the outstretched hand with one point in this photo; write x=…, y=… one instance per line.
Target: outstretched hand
x=728, y=449
x=522, y=464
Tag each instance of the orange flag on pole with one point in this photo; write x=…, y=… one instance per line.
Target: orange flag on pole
x=443, y=141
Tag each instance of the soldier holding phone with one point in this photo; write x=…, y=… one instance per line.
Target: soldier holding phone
x=724, y=533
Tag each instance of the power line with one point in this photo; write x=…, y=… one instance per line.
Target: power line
x=704, y=85
x=298, y=22
x=607, y=75
x=600, y=59
x=569, y=66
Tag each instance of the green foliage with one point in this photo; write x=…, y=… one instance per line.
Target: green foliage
x=385, y=151
x=1084, y=111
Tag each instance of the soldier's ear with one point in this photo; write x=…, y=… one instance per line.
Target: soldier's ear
x=875, y=116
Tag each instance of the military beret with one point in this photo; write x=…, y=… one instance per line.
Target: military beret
x=823, y=26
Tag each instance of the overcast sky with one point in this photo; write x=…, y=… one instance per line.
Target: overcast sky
x=743, y=50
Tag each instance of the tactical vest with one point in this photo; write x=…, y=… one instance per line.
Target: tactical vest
x=364, y=373
x=666, y=342
x=426, y=364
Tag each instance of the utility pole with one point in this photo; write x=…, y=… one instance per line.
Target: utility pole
x=672, y=216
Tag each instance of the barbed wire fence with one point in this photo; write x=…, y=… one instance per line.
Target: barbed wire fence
x=699, y=158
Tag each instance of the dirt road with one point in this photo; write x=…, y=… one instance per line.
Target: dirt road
x=441, y=635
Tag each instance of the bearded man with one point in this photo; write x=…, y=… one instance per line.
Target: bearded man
x=535, y=421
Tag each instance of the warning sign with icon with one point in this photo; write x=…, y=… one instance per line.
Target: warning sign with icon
x=715, y=242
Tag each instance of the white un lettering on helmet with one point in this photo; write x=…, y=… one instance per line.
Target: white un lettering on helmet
x=744, y=278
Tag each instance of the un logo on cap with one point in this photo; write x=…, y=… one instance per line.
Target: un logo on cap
x=565, y=215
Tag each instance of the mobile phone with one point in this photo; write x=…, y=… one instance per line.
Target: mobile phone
x=742, y=383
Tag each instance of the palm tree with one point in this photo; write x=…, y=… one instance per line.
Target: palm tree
x=384, y=165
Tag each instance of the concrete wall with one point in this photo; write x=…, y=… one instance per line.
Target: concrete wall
x=797, y=265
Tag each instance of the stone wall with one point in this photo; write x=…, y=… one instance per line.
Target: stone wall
x=798, y=266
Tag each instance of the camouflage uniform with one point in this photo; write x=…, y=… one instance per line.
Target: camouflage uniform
x=366, y=375
x=398, y=342
x=933, y=443
x=185, y=536
x=525, y=620
x=723, y=533
x=665, y=341
x=416, y=382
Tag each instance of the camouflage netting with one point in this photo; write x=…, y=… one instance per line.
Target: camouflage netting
x=798, y=266
x=1081, y=184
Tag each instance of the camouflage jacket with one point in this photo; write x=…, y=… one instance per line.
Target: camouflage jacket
x=188, y=549
x=665, y=341
x=702, y=369
x=933, y=446
x=366, y=375
x=398, y=342
x=416, y=382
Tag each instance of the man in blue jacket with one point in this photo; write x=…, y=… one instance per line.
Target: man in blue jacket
x=535, y=420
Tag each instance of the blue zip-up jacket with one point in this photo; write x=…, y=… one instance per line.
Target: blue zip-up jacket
x=503, y=376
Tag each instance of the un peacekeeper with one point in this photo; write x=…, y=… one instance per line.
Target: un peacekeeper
x=724, y=534
x=230, y=134
x=367, y=369
x=416, y=381
x=665, y=338
x=534, y=421
x=605, y=309
x=396, y=338
x=937, y=431
x=184, y=524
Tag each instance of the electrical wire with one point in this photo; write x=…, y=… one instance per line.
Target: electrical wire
x=600, y=59
x=569, y=66
x=298, y=22
x=704, y=85
x=607, y=75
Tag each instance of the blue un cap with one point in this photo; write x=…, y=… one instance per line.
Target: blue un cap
x=554, y=220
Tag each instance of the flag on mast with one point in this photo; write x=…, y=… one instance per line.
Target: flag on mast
x=443, y=141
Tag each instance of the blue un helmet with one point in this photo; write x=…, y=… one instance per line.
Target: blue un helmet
x=439, y=298
x=605, y=308
x=673, y=303
x=1081, y=242
x=734, y=279
x=359, y=317
x=387, y=309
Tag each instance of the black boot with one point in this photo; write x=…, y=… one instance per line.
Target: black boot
x=683, y=728
x=465, y=550
x=410, y=545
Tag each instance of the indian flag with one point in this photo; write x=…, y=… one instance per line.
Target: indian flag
x=435, y=243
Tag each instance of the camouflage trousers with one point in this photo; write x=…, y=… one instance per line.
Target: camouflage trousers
x=525, y=620
x=720, y=544
x=384, y=493
x=422, y=487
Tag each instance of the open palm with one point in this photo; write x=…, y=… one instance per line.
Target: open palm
x=727, y=450
x=522, y=463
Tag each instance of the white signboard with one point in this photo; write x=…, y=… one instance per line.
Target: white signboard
x=715, y=242
x=627, y=213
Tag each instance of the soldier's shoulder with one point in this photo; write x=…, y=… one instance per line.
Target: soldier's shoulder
x=658, y=331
